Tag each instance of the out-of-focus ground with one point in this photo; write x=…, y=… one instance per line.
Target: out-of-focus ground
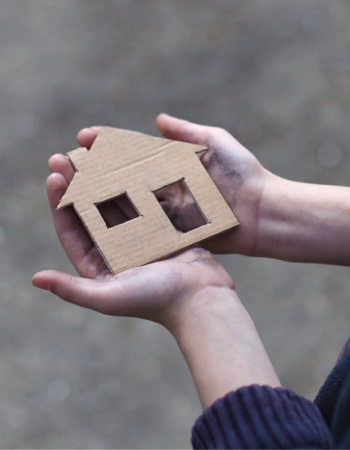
x=275, y=74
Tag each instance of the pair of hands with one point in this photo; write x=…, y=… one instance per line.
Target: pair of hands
x=190, y=293
x=160, y=290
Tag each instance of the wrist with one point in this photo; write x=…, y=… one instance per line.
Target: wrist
x=303, y=222
x=199, y=305
x=220, y=344
x=272, y=218
x=211, y=308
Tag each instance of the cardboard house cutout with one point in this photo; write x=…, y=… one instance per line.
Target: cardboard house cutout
x=125, y=162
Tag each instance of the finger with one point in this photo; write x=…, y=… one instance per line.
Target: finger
x=87, y=136
x=112, y=297
x=75, y=241
x=60, y=164
x=80, y=291
x=182, y=130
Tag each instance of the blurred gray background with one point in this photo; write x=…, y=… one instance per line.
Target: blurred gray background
x=274, y=73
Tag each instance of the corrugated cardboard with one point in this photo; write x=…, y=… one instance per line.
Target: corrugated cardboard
x=122, y=162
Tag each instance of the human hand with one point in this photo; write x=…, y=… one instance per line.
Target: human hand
x=282, y=219
x=152, y=292
x=236, y=172
x=190, y=294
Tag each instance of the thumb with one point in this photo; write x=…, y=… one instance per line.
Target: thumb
x=182, y=130
x=83, y=292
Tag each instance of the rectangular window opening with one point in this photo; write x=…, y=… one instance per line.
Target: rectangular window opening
x=117, y=210
x=180, y=207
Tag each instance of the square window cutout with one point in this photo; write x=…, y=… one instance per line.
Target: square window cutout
x=180, y=207
x=117, y=210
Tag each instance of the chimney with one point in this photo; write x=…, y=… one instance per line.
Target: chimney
x=77, y=157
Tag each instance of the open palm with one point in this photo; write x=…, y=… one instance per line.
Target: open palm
x=151, y=292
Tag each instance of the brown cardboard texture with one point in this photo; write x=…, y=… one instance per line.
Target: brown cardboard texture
x=124, y=162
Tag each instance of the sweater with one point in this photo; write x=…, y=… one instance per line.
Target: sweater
x=264, y=417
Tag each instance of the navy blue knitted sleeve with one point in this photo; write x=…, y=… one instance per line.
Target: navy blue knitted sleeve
x=261, y=417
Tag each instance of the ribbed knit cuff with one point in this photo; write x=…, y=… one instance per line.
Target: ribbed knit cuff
x=261, y=417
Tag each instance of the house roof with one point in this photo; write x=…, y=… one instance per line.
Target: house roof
x=115, y=150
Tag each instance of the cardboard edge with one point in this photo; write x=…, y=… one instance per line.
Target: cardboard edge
x=66, y=199
x=76, y=157
x=91, y=237
x=182, y=248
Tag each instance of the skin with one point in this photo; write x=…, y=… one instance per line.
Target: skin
x=280, y=219
x=190, y=293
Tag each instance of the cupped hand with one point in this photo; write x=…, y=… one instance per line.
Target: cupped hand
x=157, y=291
x=236, y=172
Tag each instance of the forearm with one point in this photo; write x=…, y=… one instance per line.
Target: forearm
x=220, y=344
x=304, y=222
